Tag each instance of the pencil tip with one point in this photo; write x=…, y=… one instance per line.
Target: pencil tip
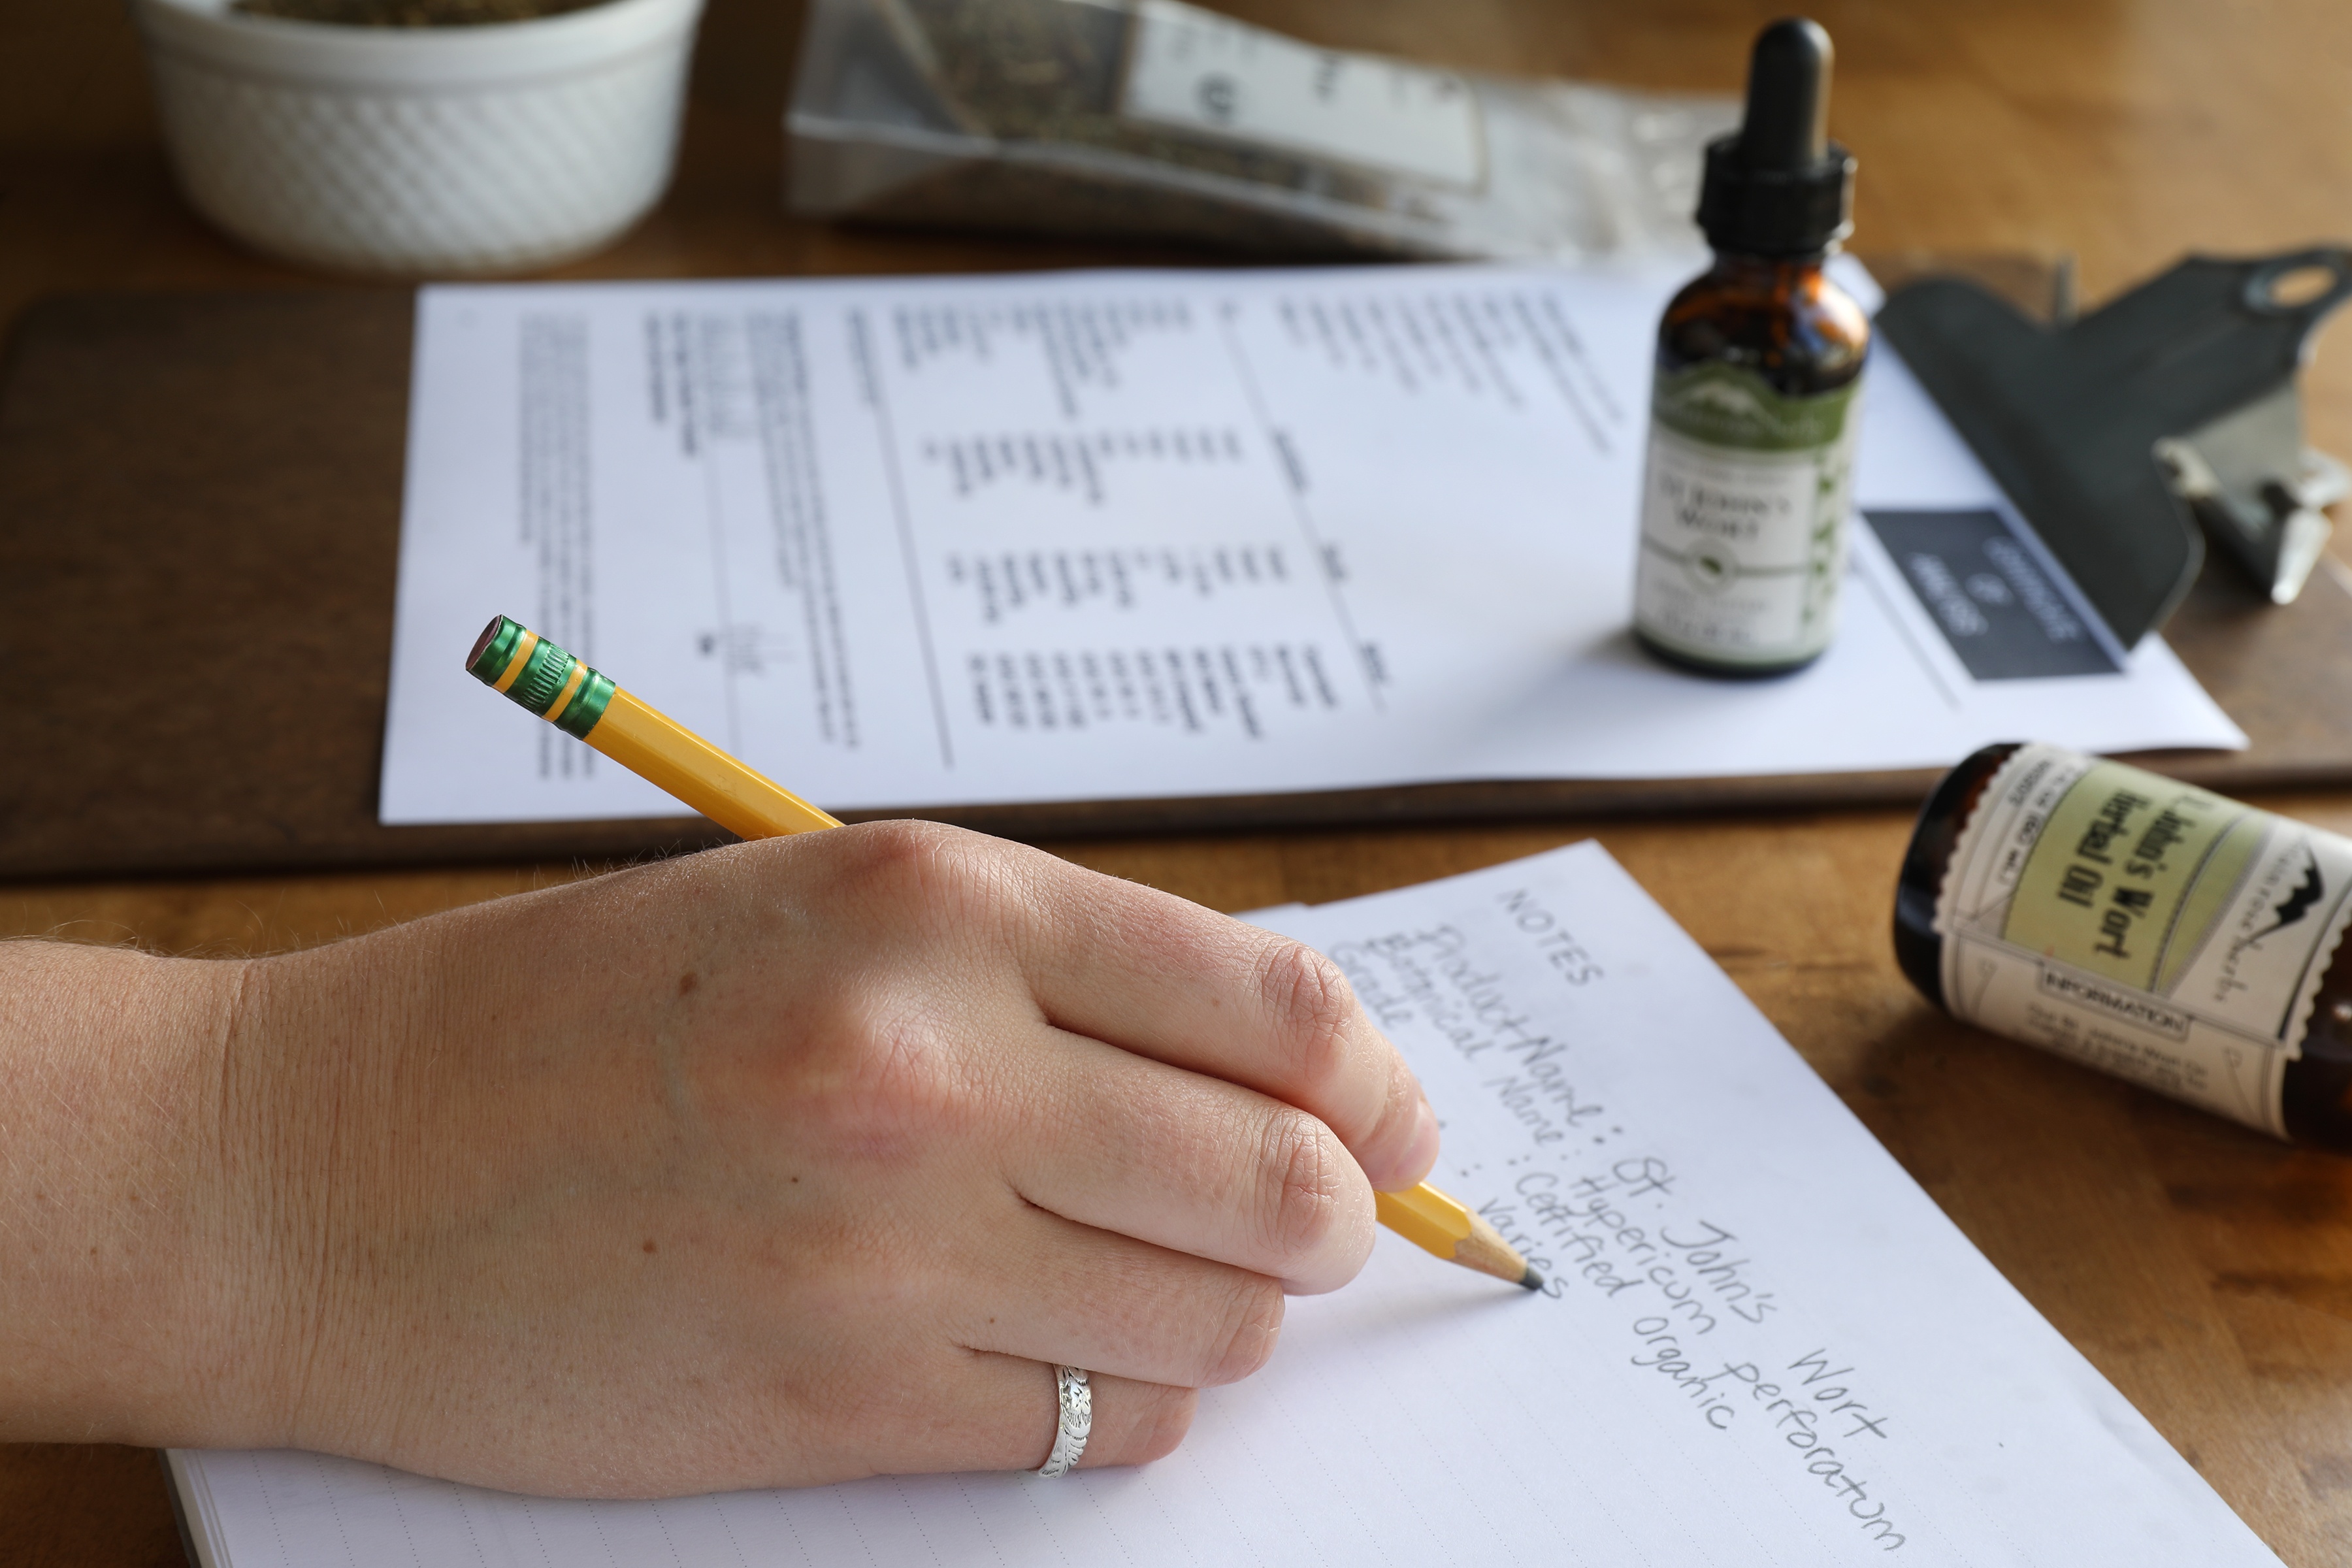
x=1532, y=1281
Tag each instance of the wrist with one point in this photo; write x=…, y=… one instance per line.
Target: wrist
x=127, y=1277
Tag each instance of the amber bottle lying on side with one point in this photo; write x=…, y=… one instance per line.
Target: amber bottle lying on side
x=2143, y=927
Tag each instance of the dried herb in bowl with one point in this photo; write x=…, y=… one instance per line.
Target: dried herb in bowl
x=409, y=13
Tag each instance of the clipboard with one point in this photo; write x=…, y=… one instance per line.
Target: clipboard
x=201, y=496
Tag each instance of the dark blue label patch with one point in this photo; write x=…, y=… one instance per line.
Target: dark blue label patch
x=1989, y=595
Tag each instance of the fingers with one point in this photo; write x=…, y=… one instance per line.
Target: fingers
x=1150, y=1327
x=1191, y=1164
x=1135, y=1423
x=1139, y=969
x=1056, y=1291
x=1154, y=975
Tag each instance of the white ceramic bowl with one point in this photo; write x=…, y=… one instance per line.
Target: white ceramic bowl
x=419, y=151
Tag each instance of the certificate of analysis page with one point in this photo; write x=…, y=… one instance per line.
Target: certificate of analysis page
x=1143, y=534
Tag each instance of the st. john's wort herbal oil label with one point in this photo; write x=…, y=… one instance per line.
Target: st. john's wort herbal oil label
x=2146, y=928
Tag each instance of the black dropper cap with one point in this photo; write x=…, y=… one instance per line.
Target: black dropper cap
x=1779, y=185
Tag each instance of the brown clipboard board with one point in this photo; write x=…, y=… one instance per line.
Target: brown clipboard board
x=199, y=516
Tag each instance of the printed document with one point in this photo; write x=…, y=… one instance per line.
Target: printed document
x=1085, y=536
x=1762, y=1345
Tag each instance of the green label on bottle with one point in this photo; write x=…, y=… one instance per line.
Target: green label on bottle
x=2147, y=928
x=1731, y=406
x=1745, y=498
x=2129, y=875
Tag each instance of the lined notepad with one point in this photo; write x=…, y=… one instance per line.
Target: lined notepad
x=1764, y=1344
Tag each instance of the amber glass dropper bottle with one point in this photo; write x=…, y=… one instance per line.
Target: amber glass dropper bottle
x=2289, y=899
x=1753, y=411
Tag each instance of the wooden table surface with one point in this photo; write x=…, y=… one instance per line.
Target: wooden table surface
x=2207, y=1271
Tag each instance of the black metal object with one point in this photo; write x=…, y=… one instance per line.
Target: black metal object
x=1779, y=185
x=2116, y=433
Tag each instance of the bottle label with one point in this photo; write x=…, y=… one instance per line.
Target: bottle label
x=2143, y=927
x=1744, y=510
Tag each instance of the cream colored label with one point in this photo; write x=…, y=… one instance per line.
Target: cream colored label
x=2150, y=928
x=1745, y=502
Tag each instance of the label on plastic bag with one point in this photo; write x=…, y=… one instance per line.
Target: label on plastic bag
x=1202, y=72
x=2150, y=928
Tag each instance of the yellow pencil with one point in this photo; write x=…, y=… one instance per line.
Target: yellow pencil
x=584, y=703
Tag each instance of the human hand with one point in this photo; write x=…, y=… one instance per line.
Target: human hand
x=784, y=1163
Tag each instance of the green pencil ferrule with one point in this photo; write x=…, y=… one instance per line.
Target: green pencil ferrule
x=551, y=682
x=587, y=705
x=494, y=651
x=542, y=678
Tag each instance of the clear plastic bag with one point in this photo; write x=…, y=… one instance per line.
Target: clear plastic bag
x=1153, y=118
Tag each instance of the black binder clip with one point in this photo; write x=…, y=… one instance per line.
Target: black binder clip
x=2117, y=432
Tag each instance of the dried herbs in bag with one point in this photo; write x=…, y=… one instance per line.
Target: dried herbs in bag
x=1154, y=118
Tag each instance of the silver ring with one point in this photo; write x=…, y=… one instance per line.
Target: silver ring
x=1075, y=1419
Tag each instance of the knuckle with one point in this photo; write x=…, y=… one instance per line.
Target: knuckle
x=890, y=1084
x=1251, y=1323
x=1302, y=1174
x=1314, y=1010
x=917, y=857
x=942, y=884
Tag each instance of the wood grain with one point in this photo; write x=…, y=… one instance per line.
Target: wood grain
x=2206, y=1270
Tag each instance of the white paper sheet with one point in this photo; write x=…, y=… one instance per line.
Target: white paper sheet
x=1101, y=535
x=1765, y=1345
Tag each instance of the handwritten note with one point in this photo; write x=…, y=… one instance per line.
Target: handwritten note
x=1761, y=1344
